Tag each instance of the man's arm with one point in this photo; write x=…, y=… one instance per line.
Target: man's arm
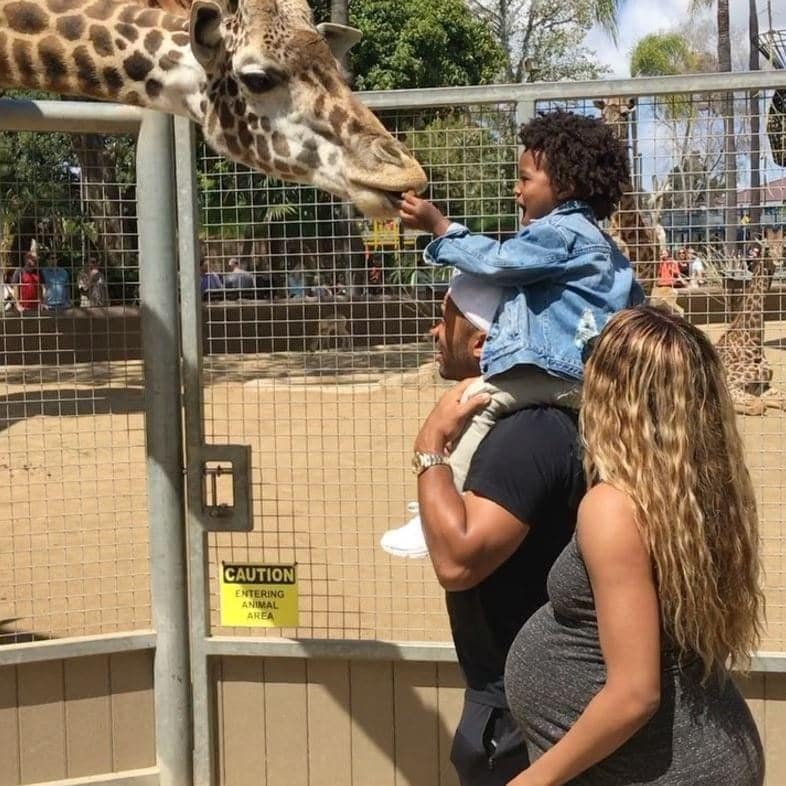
x=468, y=536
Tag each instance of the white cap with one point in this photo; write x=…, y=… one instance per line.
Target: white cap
x=477, y=300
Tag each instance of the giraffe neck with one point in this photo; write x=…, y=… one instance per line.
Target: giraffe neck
x=104, y=49
x=751, y=316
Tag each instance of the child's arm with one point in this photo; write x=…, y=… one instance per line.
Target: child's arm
x=535, y=254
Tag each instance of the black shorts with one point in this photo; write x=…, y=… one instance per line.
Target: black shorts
x=488, y=747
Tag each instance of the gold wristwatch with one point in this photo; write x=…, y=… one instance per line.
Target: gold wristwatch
x=422, y=461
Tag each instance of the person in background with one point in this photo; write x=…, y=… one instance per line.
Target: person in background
x=697, y=269
x=57, y=286
x=238, y=282
x=623, y=676
x=669, y=273
x=210, y=283
x=26, y=283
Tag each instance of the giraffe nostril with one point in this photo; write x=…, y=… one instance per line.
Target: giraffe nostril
x=388, y=151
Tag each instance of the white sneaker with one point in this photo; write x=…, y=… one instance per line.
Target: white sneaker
x=407, y=540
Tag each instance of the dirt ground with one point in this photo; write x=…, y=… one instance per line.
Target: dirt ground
x=330, y=435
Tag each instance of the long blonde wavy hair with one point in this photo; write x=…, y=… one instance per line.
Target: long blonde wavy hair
x=658, y=423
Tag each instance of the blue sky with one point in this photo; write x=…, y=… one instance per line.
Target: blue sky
x=640, y=17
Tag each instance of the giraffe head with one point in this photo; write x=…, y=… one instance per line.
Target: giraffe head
x=617, y=111
x=276, y=100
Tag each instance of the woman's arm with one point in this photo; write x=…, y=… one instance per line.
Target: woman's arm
x=620, y=571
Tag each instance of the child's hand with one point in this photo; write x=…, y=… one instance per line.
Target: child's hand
x=419, y=213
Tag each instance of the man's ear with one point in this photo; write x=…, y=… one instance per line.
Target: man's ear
x=205, y=30
x=478, y=340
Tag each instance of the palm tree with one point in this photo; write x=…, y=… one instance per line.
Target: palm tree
x=727, y=108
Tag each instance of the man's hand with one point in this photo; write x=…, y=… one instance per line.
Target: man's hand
x=448, y=418
x=418, y=213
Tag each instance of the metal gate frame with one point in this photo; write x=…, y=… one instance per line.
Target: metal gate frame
x=162, y=410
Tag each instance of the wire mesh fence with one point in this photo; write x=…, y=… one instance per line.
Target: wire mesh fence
x=317, y=354
x=73, y=548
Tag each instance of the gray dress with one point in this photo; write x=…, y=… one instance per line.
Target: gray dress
x=701, y=735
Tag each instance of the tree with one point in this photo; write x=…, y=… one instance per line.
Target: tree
x=418, y=43
x=727, y=102
x=542, y=38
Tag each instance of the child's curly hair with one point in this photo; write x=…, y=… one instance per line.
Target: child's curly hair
x=583, y=156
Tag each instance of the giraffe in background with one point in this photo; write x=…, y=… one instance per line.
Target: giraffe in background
x=262, y=81
x=741, y=348
x=628, y=227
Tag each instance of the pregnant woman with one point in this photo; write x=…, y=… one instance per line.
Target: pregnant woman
x=621, y=678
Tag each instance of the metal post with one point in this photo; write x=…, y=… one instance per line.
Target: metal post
x=191, y=327
x=161, y=352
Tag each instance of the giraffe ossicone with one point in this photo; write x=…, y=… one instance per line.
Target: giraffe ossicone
x=260, y=78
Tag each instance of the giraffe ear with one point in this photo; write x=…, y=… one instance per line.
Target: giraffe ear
x=205, y=31
x=339, y=38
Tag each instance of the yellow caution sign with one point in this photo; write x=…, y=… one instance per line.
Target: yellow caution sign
x=259, y=596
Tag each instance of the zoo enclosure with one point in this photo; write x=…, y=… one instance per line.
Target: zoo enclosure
x=329, y=414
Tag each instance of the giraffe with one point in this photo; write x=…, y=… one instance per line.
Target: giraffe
x=262, y=81
x=628, y=227
x=741, y=348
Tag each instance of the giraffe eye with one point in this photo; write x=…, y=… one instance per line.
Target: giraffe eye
x=260, y=81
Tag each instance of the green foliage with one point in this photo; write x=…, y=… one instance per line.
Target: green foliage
x=419, y=43
x=662, y=54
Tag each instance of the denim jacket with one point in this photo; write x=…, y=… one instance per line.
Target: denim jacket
x=563, y=278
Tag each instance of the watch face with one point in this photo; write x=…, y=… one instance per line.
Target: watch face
x=416, y=465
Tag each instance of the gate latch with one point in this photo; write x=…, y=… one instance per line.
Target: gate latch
x=226, y=488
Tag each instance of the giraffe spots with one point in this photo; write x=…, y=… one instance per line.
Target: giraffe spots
x=128, y=15
x=114, y=80
x=22, y=54
x=203, y=106
x=153, y=41
x=62, y=6
x=253, y=120
x=101, y=10
x=326, y=80
x=337, y=118
x=133, y=97
x=101, y=40
x=280, y=144
x=175, y=24
x=181, y=39
x=71, y=27
x=169, y=60
x=137, y=66
x=231, y=85
x=319, y=106
x=333, y=158
x=121, y=44
x=25, y=17
x=240, y=107
x=309, y=156
x=153, y=88
x=5, y=63
x=263, y=149
x=127, y=31
x=148, y=18
x=52, y=56
x=225, y=116
x=85, y=71
x=281, y=166
x=245, y=136
x=265, y=125
x=232, y=144
x=297, y=171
